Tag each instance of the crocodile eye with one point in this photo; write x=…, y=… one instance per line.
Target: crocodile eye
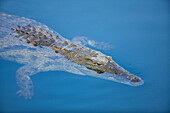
x=99, y=64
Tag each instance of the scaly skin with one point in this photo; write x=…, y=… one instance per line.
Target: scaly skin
x=89, y=58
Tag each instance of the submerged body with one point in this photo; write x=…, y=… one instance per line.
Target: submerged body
x=41, y=49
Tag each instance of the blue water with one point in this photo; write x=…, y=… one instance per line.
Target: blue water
x=139, y=30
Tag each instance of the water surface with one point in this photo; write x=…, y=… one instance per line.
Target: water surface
x=139, y=30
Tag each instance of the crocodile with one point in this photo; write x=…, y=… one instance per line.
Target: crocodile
x=40, y=49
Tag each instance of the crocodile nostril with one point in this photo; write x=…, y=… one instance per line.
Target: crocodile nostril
x=135, y=79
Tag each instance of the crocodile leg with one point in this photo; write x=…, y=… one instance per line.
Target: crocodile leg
x=85, y=41
x=23, y=80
